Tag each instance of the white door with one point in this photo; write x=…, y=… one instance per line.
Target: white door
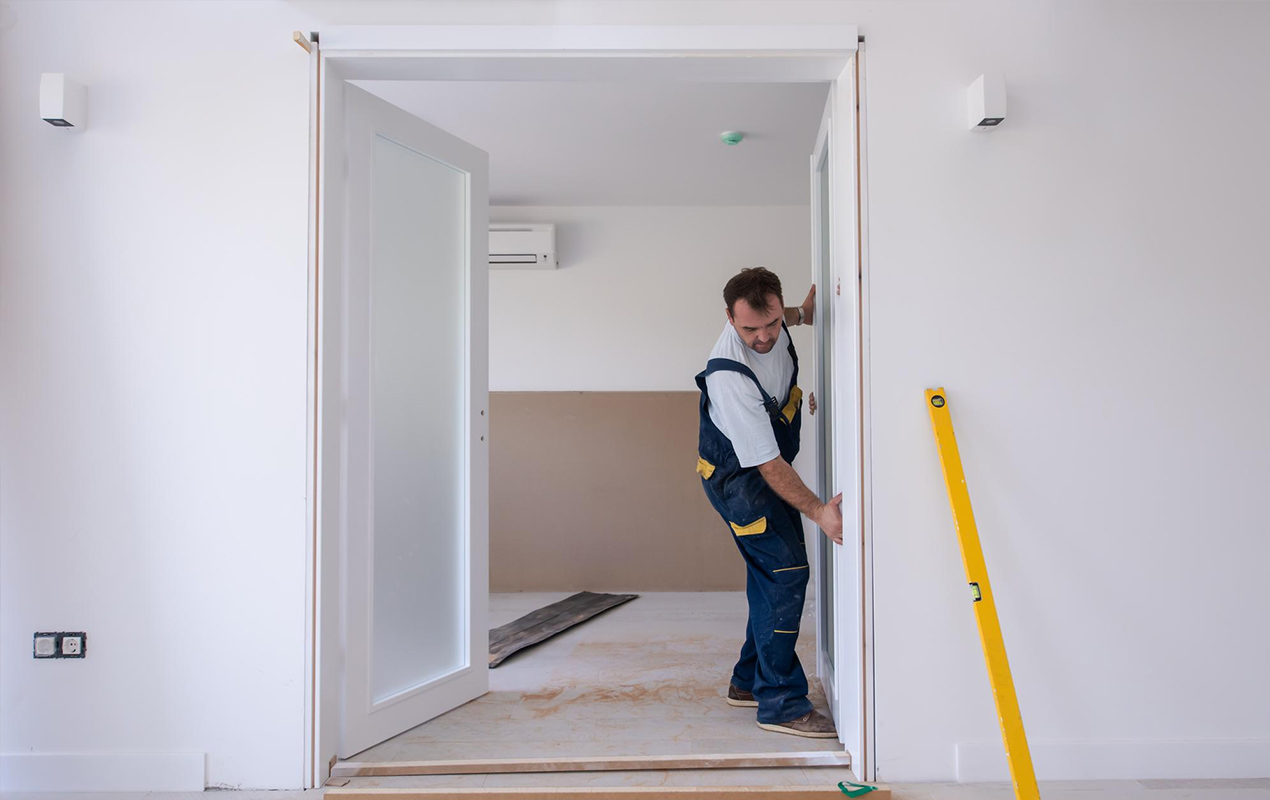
x=406, y=264
x=836, y=265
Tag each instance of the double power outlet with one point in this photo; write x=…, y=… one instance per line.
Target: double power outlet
x=61, y=645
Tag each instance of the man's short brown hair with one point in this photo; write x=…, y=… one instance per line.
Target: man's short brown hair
x=754, y=285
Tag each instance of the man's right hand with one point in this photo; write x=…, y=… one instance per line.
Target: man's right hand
x=786, y=483
x=829, y=518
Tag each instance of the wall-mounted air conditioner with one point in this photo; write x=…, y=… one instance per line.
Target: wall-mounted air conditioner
x=522, y=246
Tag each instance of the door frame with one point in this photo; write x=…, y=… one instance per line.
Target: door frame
x=838, y=145
x=706, y=53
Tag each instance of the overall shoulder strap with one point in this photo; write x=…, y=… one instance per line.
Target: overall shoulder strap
x=792, y=354
x=728, y=365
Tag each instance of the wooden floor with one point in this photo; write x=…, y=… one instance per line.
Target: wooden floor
x=646, y=678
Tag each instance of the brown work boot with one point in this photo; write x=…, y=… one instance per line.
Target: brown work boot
x=741, y=699
x=812, y=725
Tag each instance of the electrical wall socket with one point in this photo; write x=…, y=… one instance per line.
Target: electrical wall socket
x=60, y=644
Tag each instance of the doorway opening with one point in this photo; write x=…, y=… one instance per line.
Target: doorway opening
x=589, y=443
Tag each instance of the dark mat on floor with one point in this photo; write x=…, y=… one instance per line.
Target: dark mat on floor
x=538, y=626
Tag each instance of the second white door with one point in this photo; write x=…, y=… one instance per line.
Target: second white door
x=412, y=205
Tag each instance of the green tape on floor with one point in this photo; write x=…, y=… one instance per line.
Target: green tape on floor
x=854, y=789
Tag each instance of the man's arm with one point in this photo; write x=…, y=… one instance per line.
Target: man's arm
x=808, y=307
x=786, y=483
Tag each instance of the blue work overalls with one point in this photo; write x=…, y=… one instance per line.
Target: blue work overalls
x=769, y=533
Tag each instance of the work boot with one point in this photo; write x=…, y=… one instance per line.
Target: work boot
x=812, y=725
x=741, y=699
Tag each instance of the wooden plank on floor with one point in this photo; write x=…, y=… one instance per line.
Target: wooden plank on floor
x=538, y=626
x=609, y=793
x=498, y=766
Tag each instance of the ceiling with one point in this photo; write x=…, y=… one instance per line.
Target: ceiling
x=627, y=143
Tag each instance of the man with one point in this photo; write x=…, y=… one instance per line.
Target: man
x=751, y=414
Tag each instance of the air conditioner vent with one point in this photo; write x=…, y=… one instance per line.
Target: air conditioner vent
x=528, y=246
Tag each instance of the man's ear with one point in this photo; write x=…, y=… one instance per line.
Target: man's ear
x=728, y=311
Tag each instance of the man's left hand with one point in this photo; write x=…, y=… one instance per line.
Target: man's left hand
x=811, y=403
x=809, y=306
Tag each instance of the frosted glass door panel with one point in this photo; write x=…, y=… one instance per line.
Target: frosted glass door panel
x=418, y=274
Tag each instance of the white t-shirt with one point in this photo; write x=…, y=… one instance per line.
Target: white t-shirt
x=736, y=408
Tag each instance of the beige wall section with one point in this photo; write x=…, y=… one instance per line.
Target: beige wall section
x=597, y=490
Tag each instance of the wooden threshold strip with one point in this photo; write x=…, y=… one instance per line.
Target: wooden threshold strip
x=495, y=766
x=609, y=793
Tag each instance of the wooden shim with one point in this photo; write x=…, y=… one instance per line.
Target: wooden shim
x=538, y=626
x=496, y=766
x=609, y=793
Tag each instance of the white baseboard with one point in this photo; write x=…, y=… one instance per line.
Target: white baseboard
x=102, y=772
x=1132, y=760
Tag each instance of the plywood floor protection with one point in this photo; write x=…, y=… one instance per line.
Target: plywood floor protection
x=646, y=678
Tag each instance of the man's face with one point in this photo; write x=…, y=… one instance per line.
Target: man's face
x=758, y=329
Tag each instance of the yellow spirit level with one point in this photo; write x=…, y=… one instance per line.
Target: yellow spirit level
x=985, y=607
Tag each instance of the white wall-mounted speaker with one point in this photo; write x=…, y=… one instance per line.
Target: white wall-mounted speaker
x=62, y=101
x=985, y=100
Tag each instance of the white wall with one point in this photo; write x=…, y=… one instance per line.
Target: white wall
x=1089, y=284
x=152, y=431
x=1087, y=281
x=637, y=302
